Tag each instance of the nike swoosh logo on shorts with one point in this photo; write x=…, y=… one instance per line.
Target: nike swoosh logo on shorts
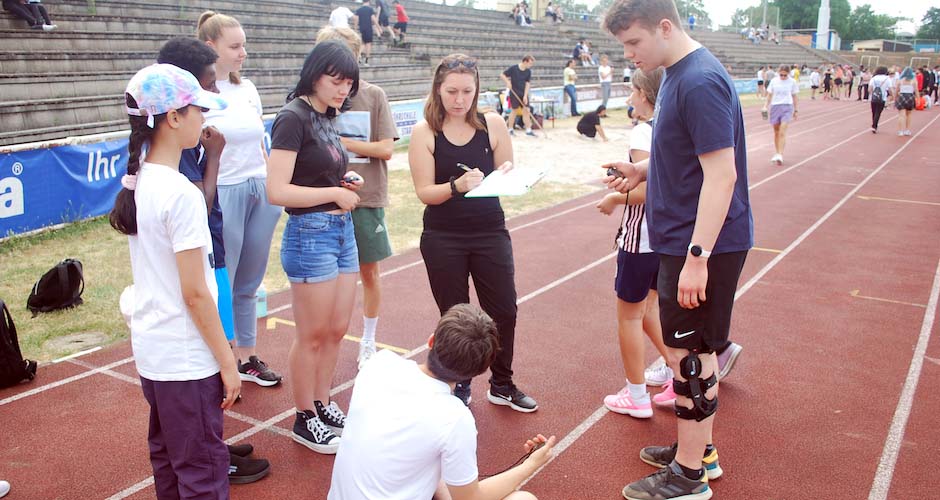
x=682, y=335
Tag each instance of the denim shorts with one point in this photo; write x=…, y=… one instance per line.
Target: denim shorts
x=317, y=246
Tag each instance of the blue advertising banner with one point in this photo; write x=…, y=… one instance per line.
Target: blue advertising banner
x=44, y=187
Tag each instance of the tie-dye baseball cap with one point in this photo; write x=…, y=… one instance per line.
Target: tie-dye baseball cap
x=159, y=88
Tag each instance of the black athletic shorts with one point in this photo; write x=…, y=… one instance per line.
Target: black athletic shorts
x=706, y=327
x=383, y=21
x=403, y=27
x=366, y=34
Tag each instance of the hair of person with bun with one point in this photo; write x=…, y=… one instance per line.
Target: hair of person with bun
x=210, y=27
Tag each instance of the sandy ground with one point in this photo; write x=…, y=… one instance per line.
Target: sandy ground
x=573, y=159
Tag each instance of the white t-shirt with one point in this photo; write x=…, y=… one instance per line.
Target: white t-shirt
x=404, y=433
x=783, y=90
x=340, y=17
x=627, y=72
x=634, y=233
x=760, y=75
x=883, y=82
x=602, y=71
x=814, y=78
x=171, y=218
x=240, y=123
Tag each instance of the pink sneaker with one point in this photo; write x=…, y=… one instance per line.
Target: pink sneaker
x=667, y=397
x=622, y=404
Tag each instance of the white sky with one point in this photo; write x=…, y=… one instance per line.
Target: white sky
x=721, y=10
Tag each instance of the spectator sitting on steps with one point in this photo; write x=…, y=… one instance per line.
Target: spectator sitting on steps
x=32, y=11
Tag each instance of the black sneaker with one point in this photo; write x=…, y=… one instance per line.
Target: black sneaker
x=668, y=483
x=332, y=416
x=258, y=372
x=462, y=391
x=511, y=396
x=243, y=470
x=241, y=450
x=662, y=456
x=311, y=432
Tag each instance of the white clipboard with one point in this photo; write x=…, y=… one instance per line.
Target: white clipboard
x=516, y=182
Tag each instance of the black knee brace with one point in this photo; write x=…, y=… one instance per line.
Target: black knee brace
x=695, y=389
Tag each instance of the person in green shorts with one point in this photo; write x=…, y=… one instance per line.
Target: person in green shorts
x=368, y=132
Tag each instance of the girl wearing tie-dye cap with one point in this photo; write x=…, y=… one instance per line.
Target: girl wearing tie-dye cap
x=187, y=370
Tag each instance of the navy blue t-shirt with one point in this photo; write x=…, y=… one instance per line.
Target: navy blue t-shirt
x=193, y=166
x=697, y=112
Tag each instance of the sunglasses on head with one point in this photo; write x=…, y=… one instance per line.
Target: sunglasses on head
x=454, y=63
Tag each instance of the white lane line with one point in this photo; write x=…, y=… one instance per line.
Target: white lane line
x=848, y=196
x=568, y=440
x=591, y=420
x=807, y=160
x=64, y=381
x=77, y=354
x=271, y=423
x=889, y=456
x=421, y=261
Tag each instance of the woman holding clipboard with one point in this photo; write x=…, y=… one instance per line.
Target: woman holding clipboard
x=466, y=237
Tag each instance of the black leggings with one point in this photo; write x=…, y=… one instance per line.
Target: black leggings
x=876, y=108
x=451, y=258
x=32, y=13
x=862, y=87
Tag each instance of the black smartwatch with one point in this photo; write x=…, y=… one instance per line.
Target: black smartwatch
x=697, y=251
x=453, y=187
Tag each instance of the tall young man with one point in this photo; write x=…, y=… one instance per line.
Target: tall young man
x=368, y=131
x=518, y=77
x=407, y=437
x=700, y=223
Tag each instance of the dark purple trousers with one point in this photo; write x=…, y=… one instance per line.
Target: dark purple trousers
x=189, y=458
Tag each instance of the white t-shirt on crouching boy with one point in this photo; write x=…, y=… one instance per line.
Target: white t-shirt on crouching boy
x=404, y=432
x=171, y=218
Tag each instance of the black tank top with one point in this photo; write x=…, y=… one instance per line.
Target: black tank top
x=459, y=213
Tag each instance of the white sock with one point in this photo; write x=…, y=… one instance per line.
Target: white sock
x=368, y=328
x=528, y=130
x=637, y=392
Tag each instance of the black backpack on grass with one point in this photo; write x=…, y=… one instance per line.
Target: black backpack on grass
x=13, y=368
x=60, y=287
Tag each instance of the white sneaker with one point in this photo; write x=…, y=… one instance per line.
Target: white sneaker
x=773, y=159
x=49, y=27
x=907, y=133
x=4, y=488
x=900, y=133
x=657, y=375
x=366, y=351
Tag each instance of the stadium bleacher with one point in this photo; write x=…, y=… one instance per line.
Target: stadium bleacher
x=69, y=82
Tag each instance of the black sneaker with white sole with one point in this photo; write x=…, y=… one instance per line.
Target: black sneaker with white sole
x=668, y=483
x=332, y=416
x=311, y=432
x=258, y=372
x=243, y=470
x=511, y=396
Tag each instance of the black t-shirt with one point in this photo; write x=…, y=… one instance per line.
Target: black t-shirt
x=365, y=14
x=589, y=121
x=321, y=157
x=518, y=79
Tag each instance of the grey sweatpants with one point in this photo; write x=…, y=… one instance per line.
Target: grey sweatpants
x=248, y=226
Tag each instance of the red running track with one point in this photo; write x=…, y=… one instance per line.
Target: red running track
x=830, y=399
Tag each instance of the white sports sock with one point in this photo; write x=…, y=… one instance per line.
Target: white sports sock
x=528, y=130
x=637, y=392
x=368, y=328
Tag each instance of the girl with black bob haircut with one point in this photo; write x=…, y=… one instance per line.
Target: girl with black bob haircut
x=332, y=58
x=307, y=175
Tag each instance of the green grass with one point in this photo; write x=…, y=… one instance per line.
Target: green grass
x=104, y=255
